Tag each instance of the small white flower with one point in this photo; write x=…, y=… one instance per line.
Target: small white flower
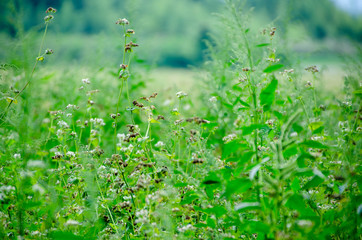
x=17, y=156
x=63, y=124
x=186, y=228
x=305, y=223
x=140, y=152
x=181, y=94
x=142, y=216
x=270, y=122
x=71, y=222
x=71, y=106
x=98, y=121
x=294, y=134
x=86, y=81
x=35, y=164
x=213, y=99
x=159, y=144
x=38, y=188
x=229, y=138
x=70, y=154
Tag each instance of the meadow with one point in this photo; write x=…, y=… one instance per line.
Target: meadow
x=253, y=144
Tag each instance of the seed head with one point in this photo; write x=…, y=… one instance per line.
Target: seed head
x=51, y=10
x=48, y=18
x=312, y=69
x=49, y=51
x=133, y=44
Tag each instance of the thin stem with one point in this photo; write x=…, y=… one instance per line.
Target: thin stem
x=115, y=121
x=109, y=211
x=31, y=75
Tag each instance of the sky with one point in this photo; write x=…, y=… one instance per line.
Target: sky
x=352, y=6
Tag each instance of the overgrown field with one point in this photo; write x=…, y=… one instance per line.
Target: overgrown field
x=257, y=149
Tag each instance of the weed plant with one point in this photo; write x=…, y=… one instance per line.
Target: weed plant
x=267, y=157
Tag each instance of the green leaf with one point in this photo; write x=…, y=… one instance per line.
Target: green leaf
x=314, y=182
x=267, y=95
x=244, y=206
x=236, y=186
x=314, y=125
x=314, y=144
x=58, y=235
x=189, y=199
x=297, y=128
x=245, y=104
x=273, y=68
x=246, y=157
x=211, y=179
x=211, y=223
x=229, y=149
x=209, y=182
x=259, y=227
x=296, y=202
x=318, y=130
x=358, y=92
x=263, y=45
x=218, y=211
x=180, y=184
x=249, y=129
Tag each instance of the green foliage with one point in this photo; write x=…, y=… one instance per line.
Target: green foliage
x=93, y=154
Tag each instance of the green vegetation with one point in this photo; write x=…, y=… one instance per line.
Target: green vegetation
x=256, y=150
x=172, y=33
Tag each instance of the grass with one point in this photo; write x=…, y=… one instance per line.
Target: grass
x=247, y=148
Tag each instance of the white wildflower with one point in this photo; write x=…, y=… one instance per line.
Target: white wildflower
x=213, y=99
x=38, y=188
x=121, y=137
x=294, y=134
x=181, y=94
x=63, y=124
x=186, y=228
x=97, y=121
x=159, y=144
x=229, y=138
x=305, y=223
x=35, y=164
x=86, y=81
x=142, y=216
x=71, y=222
x=70, y=154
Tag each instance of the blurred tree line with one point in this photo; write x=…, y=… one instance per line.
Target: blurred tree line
x=173, y=31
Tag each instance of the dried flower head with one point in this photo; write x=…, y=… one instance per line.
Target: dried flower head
x=48, y=18
x=49, y=51
x=312, y=69
x=51, y=10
